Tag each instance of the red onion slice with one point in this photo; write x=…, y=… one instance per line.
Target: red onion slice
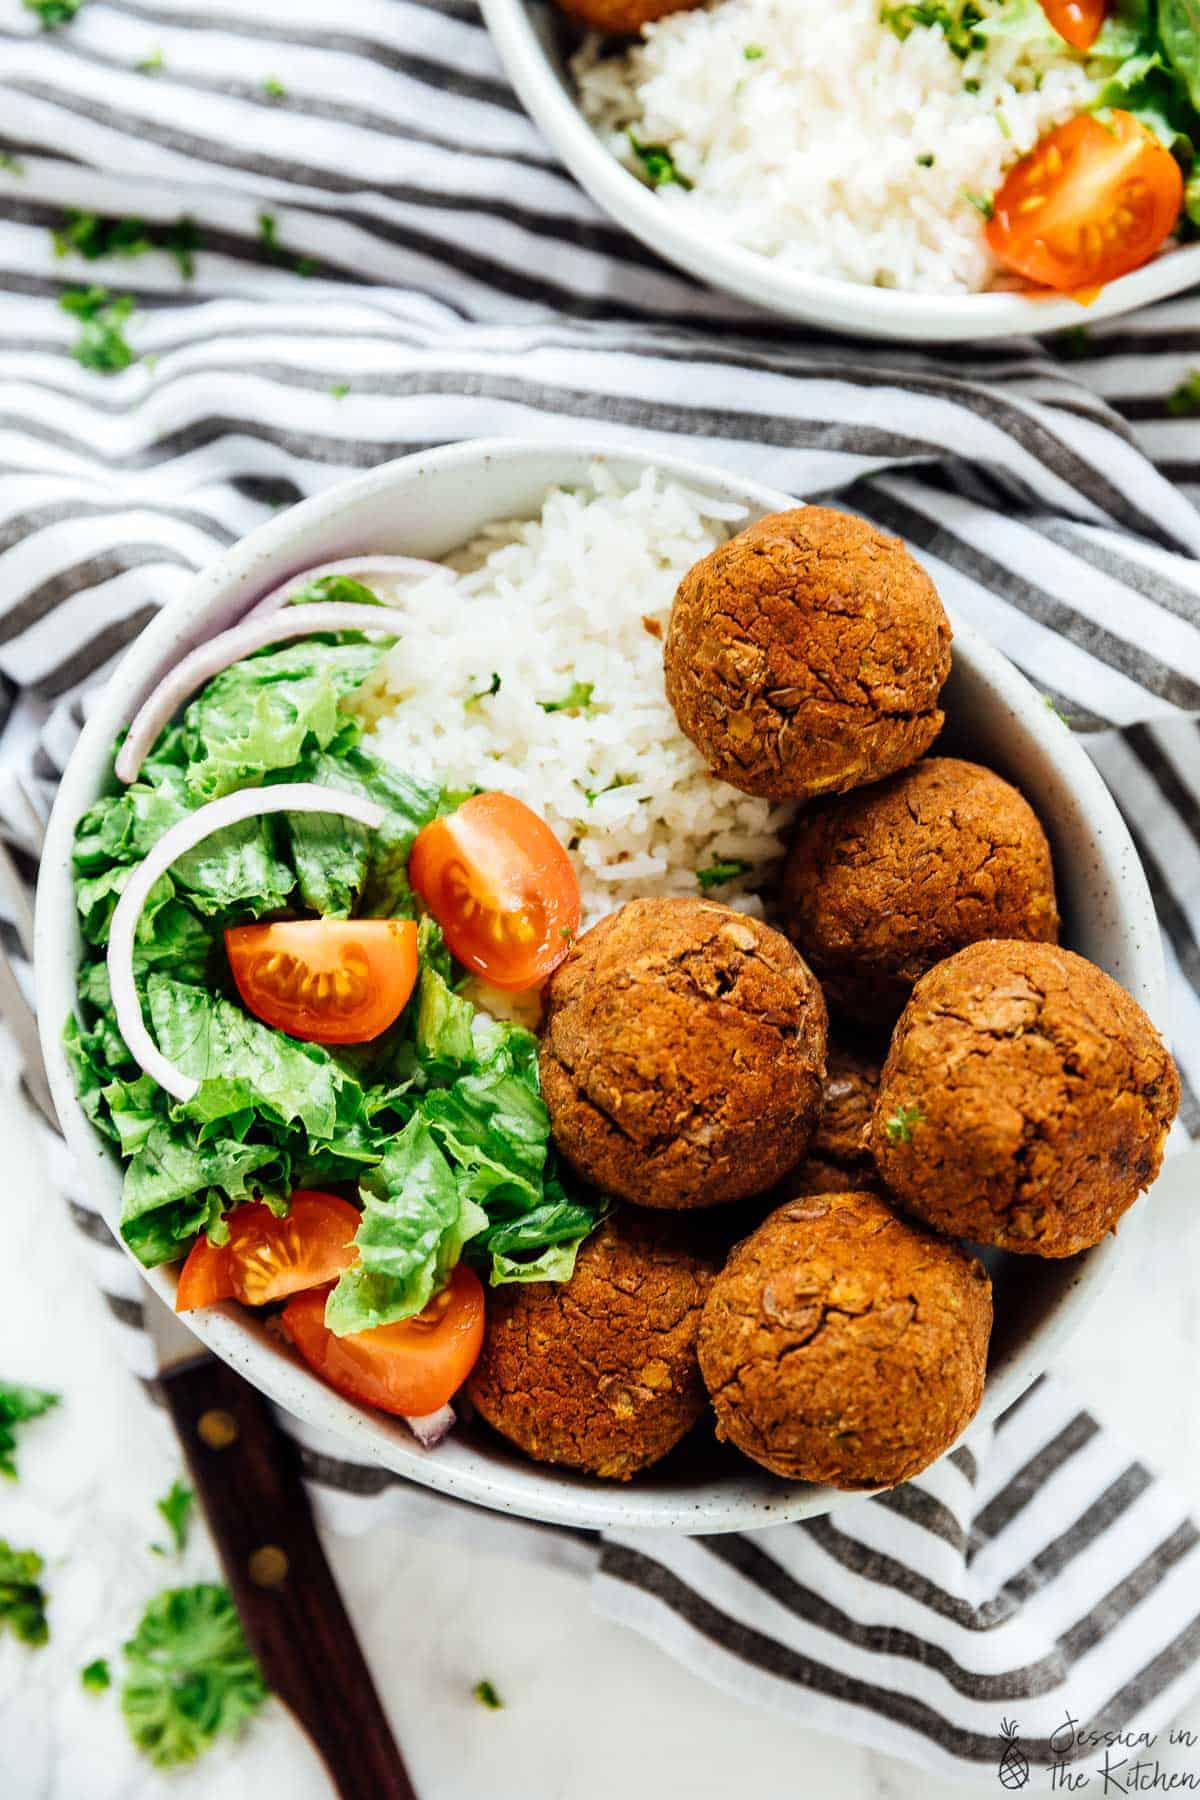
x=358, y=568
x=430, y=1428
x=231, y=809
x=219, y=653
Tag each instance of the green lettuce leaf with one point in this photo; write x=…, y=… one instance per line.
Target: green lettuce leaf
x=373, y=866
x=240, y=1062
x=236, y=872
x=176, y=1187
x=1179, y=29
x=415, y=1222
x=264, y=713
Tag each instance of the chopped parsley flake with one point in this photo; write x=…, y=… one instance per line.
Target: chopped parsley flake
x=86, y=234
x=12, y=165
x=268, y=239
x=1185, y=400
x=493, y=687
x=591, y=795
x=190, y=1677
x=96, y=1676
x=578, y=698
x=1002, y=122
x=102, y=318
x=659, y=164
x=981, y=202
x=54, y=13
x=900, y=1126
x=718, y=872
x=340, y=389
x=90, y=236
x=957, y=22
x=150, y=65
x=274, y=89
x=754, y=52
x=970, y=87
x=176, y=1508
x=1055, y=708
x=925, y=160
x=487, y=1696
x=17, y=1406
x=22, y=1597
x=1075, y=341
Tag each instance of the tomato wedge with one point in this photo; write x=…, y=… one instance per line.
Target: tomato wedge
x=409, y=1368
x=1076, y=21
x=328, y=981
x=501, y=887
x=267, y=1258
x=1091, y=201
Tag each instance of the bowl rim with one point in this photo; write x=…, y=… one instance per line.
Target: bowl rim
x=846, y=307
x=528, y=1490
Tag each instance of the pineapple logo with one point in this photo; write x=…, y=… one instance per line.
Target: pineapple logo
x=1014, y=1764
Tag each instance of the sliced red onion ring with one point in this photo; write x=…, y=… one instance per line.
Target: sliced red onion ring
x=358, y=568
x=229, y=647
x=430, y=1428
x=231, y=809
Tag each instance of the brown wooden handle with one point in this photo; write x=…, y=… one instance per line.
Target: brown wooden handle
x=247, y=1474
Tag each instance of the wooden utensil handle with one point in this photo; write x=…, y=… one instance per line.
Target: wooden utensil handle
x=247, y=1474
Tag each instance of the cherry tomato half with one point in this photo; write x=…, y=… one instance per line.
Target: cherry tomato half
x=267, y=1258
x=1076, y=21
x=1092, y=200
x=328, y=981
x=501, y=887
x=409, y=1368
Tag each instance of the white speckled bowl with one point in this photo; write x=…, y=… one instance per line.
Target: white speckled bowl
x=428, y=505
x=530, y=36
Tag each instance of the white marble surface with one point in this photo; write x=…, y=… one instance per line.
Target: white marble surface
x=590, y=1711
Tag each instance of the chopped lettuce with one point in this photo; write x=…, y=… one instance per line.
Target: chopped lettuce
x=241, y=1063
x=179, y=1185
x=263, y=713
x=438, y=1125
x=416, y=1220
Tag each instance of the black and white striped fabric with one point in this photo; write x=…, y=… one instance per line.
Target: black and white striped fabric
x=425, y=273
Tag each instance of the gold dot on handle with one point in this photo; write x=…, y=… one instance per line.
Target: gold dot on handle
x=268, y=1566
x=217, y=1429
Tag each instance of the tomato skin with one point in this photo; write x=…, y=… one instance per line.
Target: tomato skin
x=410, y=1368
x=501, y=887
x=1078, y=22
x=1091, y=201
x=267, y=1258
x=206, y=1276
x=326, y=981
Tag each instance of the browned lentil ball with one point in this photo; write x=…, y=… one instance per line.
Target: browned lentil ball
x=1025, y=1100
x=806, y=655
x=683, y=1053
x=599, y=1372
x=842, y=1344
x=881, y=884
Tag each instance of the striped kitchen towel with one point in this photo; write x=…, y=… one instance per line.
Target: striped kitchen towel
x=381, y=256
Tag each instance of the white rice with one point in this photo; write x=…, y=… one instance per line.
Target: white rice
x=567, y=597
x=808, y=153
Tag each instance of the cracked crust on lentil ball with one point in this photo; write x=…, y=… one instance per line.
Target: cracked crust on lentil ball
x=1038, y=1098
x=880, y=885
x=842, y=1344
x=682, y=1054
x=806, y=655
x=599, y=1373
